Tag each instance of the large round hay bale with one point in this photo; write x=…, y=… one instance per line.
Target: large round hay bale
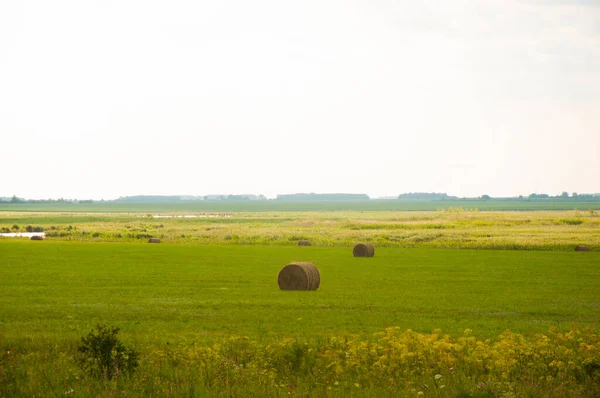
x=303, y=243
x=37, y=237
x=299, y=276
x=315, y=276
x=153, y=240
x=582, y=249
x=363, y=250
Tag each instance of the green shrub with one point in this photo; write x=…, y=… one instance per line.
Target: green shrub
x=30, y=228
x=102, y=355
x=571, y=221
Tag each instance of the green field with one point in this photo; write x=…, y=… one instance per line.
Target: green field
x=302, y=206
x=183, y=295
x=62, y=289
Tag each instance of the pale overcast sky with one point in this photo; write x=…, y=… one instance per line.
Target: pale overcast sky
x=100, y=99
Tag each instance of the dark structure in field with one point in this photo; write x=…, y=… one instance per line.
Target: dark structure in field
x=153, y=240
x=582, y=249
x=37, y=237
x=299, y=276
x=304, y=243
x=364, y=250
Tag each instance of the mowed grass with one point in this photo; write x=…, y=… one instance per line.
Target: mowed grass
x=56, y=291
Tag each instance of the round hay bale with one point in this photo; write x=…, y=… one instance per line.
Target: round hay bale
x=303, y=243
x=363, y=250
x=315, y=276
x=582, y=249
x=37, y=237
x=153, y=240
x=299, y=276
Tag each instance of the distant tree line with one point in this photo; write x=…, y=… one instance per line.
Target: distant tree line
x=323, y=196
x=544, y=196
x=300, y=197
x=565, y=195
x=425, y=196
x=16, y=200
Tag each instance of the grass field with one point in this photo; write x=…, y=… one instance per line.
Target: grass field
x=189, y=296
x=303, y=206
x=221, y=290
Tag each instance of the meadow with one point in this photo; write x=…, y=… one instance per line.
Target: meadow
x=454, y=227
x=432, y=314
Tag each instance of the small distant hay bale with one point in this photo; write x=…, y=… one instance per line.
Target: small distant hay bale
x=37, y=237
x=299, y=276
x=363, y=250
x=304, y=243
x=153, y=240
x=582, y=249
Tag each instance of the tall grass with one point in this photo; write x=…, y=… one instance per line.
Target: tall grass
x=389, y=363
x=542, y=230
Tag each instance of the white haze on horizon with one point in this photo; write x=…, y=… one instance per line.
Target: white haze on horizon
x=130, y=97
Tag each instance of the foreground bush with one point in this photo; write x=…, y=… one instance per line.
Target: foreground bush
x=101, y=354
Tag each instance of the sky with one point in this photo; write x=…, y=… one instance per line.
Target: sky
x=101, y=99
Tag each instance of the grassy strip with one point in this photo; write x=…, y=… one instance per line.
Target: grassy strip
x=290, y=206
x=389, y=363
x=560, y=231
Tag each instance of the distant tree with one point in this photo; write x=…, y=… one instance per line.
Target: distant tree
x=539, y=196
x=485, y=197
x=425, y=196
x=574, y=194
x=564, y=194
